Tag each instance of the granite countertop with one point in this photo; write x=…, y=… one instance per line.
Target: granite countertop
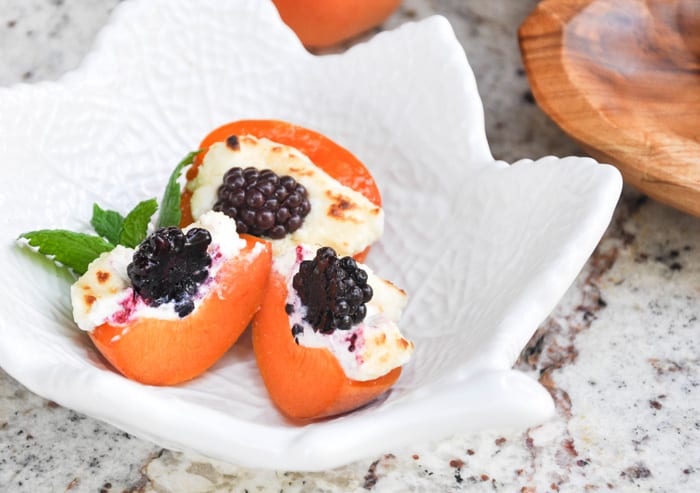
x=619, y=354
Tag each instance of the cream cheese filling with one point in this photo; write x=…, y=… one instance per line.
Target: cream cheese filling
x=371, y=348
x=104, y=293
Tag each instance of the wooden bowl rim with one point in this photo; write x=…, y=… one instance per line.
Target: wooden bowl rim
x=549, y=19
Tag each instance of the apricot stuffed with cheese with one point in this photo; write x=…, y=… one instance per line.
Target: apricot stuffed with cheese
x=326, y=338
x=166, y=311
x=275, y=191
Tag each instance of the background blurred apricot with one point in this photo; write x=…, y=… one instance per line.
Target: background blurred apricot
x=323, y=23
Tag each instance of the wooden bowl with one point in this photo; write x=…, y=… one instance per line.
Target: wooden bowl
x=622, y=77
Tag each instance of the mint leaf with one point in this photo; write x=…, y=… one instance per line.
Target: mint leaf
x=74, y=250
x=107, y=223
x=170, y=214
x=135, y=224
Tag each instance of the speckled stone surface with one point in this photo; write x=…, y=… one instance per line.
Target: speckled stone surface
x=619, y=353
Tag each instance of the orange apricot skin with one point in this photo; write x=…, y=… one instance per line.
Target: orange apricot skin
x=168, y=352
x=304, y=383
x=324, y=23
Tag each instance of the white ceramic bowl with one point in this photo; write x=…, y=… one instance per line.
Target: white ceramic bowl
x=484, y=249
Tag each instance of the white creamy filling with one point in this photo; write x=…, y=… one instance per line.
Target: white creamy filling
x=369, y=349
x=104, y=292
x=340, y=217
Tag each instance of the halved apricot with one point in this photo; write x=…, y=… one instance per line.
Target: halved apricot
x=167, y=352
x=304, y=383
x=332, y=158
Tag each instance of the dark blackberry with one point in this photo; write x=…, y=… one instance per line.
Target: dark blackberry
x=296, y=330
x=263, y=203
x=169, y=266
x=333, y=290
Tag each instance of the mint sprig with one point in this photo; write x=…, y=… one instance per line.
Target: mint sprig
x=170, y=214
x=107, y=223
x=135, y=226
x=119, y=230
x=77, y=250
x=74, y=250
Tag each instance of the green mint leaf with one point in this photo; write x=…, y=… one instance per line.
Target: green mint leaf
x=135, y=226
x=74, y=250
x=107, y=223
x=170, y=214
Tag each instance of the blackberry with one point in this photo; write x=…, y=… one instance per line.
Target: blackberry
x=333, y=290
x=262, y=203
x=169, y=266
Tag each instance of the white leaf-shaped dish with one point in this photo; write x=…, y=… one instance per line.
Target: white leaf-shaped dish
x=484, y=249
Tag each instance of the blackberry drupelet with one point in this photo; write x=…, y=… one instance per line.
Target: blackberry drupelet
x=262, y=203
x=169, y=266
x=333, y=290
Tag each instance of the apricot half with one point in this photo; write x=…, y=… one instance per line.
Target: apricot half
x=304, y=383
x=167, y=352
x=331, y=157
